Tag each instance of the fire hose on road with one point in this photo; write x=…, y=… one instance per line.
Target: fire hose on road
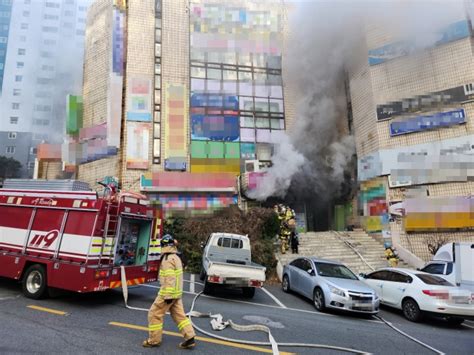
x=218, y=324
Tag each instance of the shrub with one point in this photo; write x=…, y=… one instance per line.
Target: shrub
x=260, y=224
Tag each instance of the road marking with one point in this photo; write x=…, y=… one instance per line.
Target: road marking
x=277, y=301
x=267, y=305
x=49, y=310
x=469, y=326
x=204, y=339
x=191, y=286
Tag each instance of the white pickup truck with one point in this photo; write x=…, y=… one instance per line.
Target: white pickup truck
x=226, y=261
x=455, y=263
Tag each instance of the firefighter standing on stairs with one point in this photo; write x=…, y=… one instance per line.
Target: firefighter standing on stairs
x=169, y=298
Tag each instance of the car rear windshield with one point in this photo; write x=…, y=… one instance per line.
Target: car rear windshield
x=335, y=270
x=433, y=280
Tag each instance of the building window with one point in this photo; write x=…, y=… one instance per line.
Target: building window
x=33, y=150
x=24, y=26
x=53, y=5
x=27, y=2
x=22, y=38
x=44, y=81
x=47, y=67
x=10, y=149
x=11, y=135
x=43, y=108
x=20, y=65
x=26, y=13
x=46, y=54
x=49, y=42
x=82, y=8
x=1, y=65
x=50, y=29
x=4, y=14
x=31, y=165
x=18, y=78
x=81, y=20
x=15, y=106
x=43, y=94
x=80, y=32
x=21, y=51
x=13, y=120
x=50, y=17
x=69, y=13
x=16, y=92
x=3, y=39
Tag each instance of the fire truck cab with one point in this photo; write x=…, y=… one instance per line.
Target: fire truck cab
x=61, y=234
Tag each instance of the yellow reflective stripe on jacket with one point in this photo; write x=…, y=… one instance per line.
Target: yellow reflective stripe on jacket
x=184, y=323
x=171, y=272
x=170, y=291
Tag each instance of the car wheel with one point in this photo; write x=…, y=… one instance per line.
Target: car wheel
x=202, y=275
x=318, y=300
x=248, y=292
x=285, y=284
x=455, y=320
x=34, y=282
x=411, y=310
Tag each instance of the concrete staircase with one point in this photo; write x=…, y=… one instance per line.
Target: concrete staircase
x=335, y=246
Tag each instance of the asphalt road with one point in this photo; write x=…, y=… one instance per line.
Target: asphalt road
x=99, y=323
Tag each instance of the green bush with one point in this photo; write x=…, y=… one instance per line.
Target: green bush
x=260, y=224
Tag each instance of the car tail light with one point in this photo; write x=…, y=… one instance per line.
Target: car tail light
x=215, y=279
x=442, y=295
x=101, y=274
x=255, y=283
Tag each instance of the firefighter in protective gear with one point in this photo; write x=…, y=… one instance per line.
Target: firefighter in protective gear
x=391, y=256
x=169, y=298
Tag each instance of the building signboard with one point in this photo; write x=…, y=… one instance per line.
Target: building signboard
x=427, y=122
x=139, y=99
x=138, y=141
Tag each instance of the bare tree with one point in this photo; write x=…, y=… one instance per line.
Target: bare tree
x=436, y=241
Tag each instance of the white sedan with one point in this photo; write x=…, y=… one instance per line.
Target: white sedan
x=416, y=293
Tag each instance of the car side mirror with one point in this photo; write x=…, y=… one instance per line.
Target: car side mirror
x=311, y=272
x=362, y=275
x=202, y=245
x=418, y=269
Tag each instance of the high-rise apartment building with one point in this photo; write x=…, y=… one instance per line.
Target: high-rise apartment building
x=180, y=96
x=41, y=51
x=413, y=115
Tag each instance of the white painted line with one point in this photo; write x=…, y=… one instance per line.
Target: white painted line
x=191, y=286
x=277, y=301
x=266, y=305
x=469, y=326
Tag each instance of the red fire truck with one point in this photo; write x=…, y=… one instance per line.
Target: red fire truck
x=75, y=240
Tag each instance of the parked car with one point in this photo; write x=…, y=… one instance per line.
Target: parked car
x=454, y=262
x=226, y=261
x=329, y=284
x=417, y=293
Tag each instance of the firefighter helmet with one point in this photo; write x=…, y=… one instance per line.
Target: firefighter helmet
x=167, y=241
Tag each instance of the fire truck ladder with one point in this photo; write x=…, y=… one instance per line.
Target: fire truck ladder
x=112, y=226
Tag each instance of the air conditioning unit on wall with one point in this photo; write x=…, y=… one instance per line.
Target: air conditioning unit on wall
x=252, y=166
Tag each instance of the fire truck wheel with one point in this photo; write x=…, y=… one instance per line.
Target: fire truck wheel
x=34, y=282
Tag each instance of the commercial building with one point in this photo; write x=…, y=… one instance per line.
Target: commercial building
x=413, y=114
x=41, y=50
x=179, y=97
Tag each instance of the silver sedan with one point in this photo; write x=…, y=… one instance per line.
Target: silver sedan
x=329, y=284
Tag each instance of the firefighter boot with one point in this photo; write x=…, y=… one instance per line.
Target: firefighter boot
x=188, y=344
x=147, y=344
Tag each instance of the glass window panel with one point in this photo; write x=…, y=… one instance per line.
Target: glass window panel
x=274, y=62
x=157, y=107
x=258, y=60
x=247, y=150
x=229, y=75
x=259, y=77
x=157, y=68
x=277, y=135
x=244, y=59
x=274, y=79
x=229, y=87
x=276, y=91
x=247, y=135
x=246, y=122
x=157, y=130
x=215, y=74
x=157, y=60
x=213, y=85
x=245, y=76
x=263, y=136
x=277, y=123
x=262, y=90
x=158, y=35
x=264, y=151
x=157, y=50
x=197, y=72
x=246, y=103
x=198, y=55
x=214, y=57
x=245, y=88
x=262, y=122
x=157, y=81
x=276, y=105
x=198, y=84
x=157, y=22
x=261, y=104
x=156, y=147
x=157, y=97
x=157, y=116
x=229, y=57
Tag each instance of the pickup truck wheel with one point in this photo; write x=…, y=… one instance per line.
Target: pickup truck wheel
x=248, y=292
x=202, y=275
x=207, y=286
x=34, y=282
x=285, y=284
